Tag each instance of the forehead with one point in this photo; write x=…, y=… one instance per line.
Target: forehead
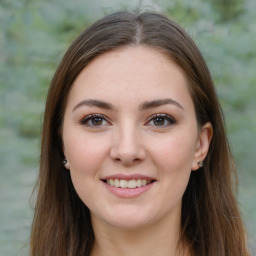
x=139, y=72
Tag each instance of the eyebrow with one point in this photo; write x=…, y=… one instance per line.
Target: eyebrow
x=157, y=103
x=94, y=103
x=144, y=106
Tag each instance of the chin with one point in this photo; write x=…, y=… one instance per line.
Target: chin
x=128, y=223
x=125, y=219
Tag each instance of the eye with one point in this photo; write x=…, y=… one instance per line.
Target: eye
x=94, y=120
x=161, y=120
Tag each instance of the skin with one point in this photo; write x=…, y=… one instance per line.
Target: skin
x=129, y=139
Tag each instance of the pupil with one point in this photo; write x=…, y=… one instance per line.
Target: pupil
x=97, y=121
x=159, y=121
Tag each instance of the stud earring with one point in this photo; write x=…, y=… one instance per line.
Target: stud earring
x=66, y=163
x=200, y=164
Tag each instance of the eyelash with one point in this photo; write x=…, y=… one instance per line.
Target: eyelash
x=165, y=117
x=85, y=120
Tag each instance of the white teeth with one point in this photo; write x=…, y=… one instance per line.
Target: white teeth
x=116, y=183
x=138, y=183
x=132, y=184
x=135, y=183
x=123, y=183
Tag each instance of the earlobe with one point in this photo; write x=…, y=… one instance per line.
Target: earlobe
x=66, y=163
x=202, y=147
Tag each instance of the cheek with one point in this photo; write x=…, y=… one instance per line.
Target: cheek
x=174, y=161
x=175, y=154
x=85, y=153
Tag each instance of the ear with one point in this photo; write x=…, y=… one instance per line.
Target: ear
x=202, y=146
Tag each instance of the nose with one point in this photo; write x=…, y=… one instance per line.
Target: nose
x=127, y=146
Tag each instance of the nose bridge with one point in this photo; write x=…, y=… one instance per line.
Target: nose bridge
x=127, y=145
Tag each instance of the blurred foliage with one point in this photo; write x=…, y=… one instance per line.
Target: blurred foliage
x=35, y=34
x=228, y=9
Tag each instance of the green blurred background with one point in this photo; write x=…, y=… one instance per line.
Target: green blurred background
x=34, y=36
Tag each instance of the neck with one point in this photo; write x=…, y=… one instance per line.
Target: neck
x=158, y=239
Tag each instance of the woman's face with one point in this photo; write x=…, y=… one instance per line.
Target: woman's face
x=131, y=138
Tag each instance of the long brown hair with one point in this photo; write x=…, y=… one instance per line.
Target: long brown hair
x=210, y=221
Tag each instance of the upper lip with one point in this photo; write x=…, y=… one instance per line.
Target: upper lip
x=122, y=176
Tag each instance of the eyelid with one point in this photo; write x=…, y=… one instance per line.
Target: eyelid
x=87, y=118
x=162, y=115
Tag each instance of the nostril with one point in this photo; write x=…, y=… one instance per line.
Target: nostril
x=127, y=160
x=117, y=159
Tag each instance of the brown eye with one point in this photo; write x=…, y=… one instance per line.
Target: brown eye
x=94, y=120
x=161, y=120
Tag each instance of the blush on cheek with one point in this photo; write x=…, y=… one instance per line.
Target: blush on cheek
x=169, y=149
x=175, y=157
x=86, y=158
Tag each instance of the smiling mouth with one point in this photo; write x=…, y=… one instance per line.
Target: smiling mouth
x=133, y=183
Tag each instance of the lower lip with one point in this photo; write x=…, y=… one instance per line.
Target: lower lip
x=128, y=192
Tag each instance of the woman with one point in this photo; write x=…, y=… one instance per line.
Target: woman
x=134, y=156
